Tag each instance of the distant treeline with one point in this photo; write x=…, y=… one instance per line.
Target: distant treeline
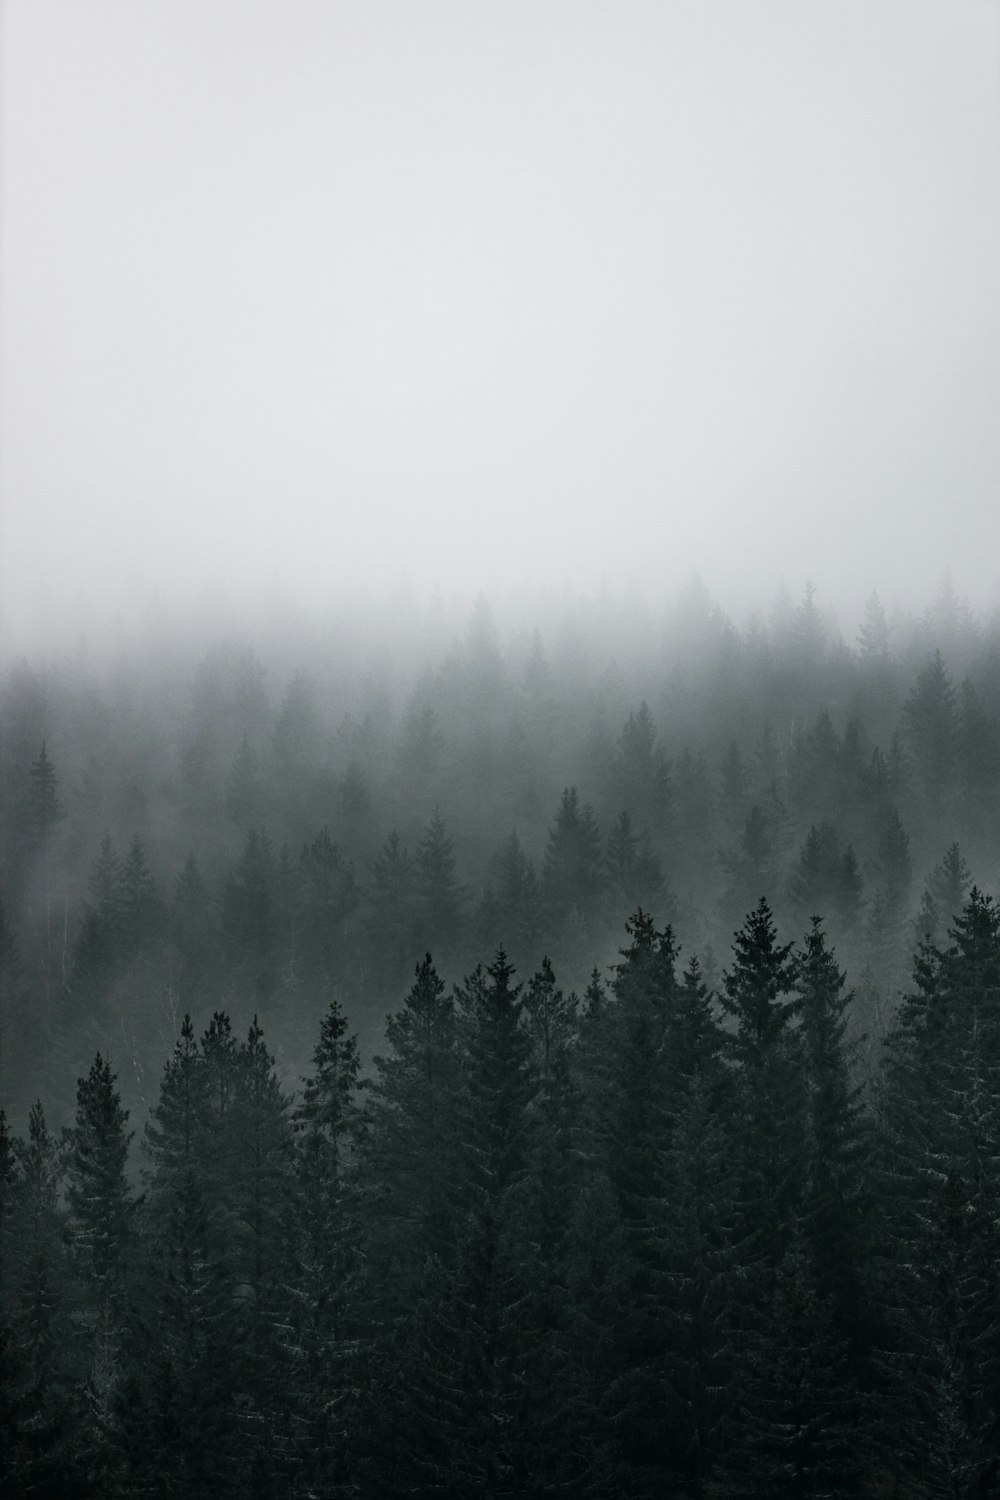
x=184, y=828
x=654, y=1240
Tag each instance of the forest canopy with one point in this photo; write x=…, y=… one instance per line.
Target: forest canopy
x=525, y=1063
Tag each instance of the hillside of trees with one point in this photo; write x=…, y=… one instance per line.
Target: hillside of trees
x=189, y=821
x=450, y=1058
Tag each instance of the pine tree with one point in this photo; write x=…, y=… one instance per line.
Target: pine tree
x=45, y=808
x=325, y=1314
x=826, y=879
x=462, y=1425
x=835, y=1202
x=635, y=876
x=101, y=1204
x=518, y=916
x=752, y=867
x=759, y=994
x=140, y=912
x=633, y=1131
x=101, y=1215
x=258, y=1196
x=940, y=1143
x=572, y=877
x=181, y=1412
x=874, y=635
x=642, y=773
x=930, y=715
x=439, y=897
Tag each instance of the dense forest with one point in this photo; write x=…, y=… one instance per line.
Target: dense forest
x=455, y=1058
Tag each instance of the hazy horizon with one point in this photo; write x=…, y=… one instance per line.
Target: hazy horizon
x=329, y=303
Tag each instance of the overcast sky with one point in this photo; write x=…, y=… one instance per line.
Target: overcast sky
x=325, y=293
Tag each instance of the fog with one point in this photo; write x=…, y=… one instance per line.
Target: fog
x=327, y=301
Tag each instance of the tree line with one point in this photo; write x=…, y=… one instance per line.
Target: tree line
x=659, y=1238
x=171, y=840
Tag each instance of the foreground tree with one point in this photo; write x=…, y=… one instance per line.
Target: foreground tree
x=940, y=1144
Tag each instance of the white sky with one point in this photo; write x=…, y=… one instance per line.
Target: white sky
x=330, y=292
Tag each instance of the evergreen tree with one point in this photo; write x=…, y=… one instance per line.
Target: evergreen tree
x=101, y=1213
x=463, y=1425
x=826, y=879
x=635, y=876
x=258, y=1195
x=752, y=868
x=759, y=995
x=572, y=876
x=181, y=1415
x=930, y=715
x=439, y=898
x=874, y=635
x=518, y=917
x=35, y=1373
x=140, y=913
x=45, y=808
x=642, y=774
x=834, y=1207
x=939, y=1147
x=325, y=1314
x=634, y=1133
x=100, y=1201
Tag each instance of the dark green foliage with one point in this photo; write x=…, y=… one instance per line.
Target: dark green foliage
x=939, y=1143
x=98, y=1196
x=930, y=714
x=635, y=875
x=827, y=879
x=752, y=867
x=324, y=1367
x=759, y=995
x=140, y=907
x=45, y=808
x=835, y=1204
x=642, y=773
x=439, y=898
x=572, y=876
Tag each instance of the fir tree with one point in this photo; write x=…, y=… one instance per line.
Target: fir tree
x=939, y=1146
x=325, y=1305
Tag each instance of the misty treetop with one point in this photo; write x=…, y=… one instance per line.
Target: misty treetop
x=181, y=831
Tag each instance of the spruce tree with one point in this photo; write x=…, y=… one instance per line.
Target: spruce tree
x=101, y=1208
x=939, y=1146
x=326, y=1367
x=183, y=1342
